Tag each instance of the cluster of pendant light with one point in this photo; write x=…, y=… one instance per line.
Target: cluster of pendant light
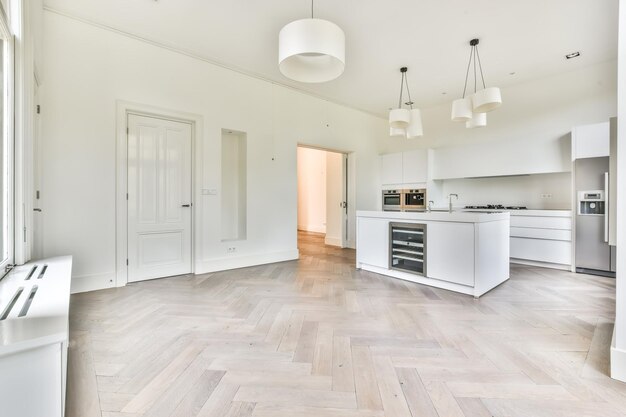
x=311, y=50
x=470, y=109
x=402, y=121
x=473, y=109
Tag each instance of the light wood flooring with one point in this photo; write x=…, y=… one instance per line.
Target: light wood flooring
x=317, y=338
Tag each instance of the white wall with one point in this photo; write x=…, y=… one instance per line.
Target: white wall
x=618, y=348
x=523, y=190
x=89, y=68
x=311, y=190
x=334, y=197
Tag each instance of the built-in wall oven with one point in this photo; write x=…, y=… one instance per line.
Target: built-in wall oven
x=414, y=200
x=392, y=200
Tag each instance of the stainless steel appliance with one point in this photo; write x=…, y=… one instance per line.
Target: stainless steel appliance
x=392, y=200
x=593, y=253
x=414, y=200
x=407, y=247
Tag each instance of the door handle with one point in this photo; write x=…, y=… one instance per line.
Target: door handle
x=186, y=205
x=37, y=209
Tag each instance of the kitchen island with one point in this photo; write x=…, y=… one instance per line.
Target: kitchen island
x=466, y=252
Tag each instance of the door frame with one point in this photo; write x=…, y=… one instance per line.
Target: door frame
x=349, y=190
x=124, y=108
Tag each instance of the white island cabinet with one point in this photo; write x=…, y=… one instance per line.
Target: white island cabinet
x=460, y=251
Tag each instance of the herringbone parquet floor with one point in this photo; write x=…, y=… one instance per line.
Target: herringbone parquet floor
x=316, y=338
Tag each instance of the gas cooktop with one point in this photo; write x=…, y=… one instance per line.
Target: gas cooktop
x=495, y=207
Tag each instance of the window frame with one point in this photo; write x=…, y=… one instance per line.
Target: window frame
x=7, y=141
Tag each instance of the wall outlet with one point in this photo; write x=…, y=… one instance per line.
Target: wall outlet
x=231, y=250
x=546, y=195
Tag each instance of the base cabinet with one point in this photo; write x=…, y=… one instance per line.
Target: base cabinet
x=447, y=241
x=373, y=242
x=542, y=238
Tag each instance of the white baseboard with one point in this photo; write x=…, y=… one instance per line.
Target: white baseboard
x=541, y=264
x=234, y=262
x=618, y=361
x=333, y=241
x=316, y=228
x=85, y=283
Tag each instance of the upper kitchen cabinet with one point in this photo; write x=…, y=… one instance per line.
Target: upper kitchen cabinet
x=415, y=166
x=391, y=168
x=400, y=168
x=590, y=141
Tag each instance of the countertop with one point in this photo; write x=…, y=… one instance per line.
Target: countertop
x=526, y=212
x=438, y=216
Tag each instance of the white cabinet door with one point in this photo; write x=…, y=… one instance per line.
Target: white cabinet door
x=372, y=242
x=415, y=166
x=447, y=241
x=591, y=141
x=159, y=198
x=391, y=168
x=542, y=250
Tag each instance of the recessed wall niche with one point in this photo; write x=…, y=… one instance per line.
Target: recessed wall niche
x=234, y=183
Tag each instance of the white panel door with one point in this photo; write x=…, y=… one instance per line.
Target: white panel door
x=159, y=198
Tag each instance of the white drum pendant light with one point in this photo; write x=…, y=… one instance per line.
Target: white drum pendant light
x=478, y=120
x=462, y=110
x=415, y=127
x=311, y=50
x=399, y=118
x=468, y=109
x=408, y=120
x=487, y=99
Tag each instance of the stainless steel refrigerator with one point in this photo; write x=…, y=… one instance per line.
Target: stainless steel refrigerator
x=594, y=255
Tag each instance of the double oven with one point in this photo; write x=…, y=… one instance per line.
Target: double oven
x=404, y=200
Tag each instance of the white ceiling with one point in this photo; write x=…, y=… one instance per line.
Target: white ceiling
x=526, y=37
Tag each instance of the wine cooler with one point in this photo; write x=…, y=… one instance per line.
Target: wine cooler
x=407, y=251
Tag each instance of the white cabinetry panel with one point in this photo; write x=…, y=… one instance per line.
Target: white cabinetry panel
x=446, y=241
x=34, y=386
x=540, y=250
x=563, y=223
x=391, y=168
x=552, y=234
x=590, y=141
x=373, y=242
x=415, y=166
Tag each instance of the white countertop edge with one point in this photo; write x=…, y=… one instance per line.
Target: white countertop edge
x=436, y=216
x=33, y=343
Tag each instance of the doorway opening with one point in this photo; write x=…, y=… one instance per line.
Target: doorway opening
x=323, y=195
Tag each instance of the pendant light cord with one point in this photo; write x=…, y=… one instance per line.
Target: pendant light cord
x=401, y=89
x=311, y=9
x=474, y=50
x=406, y=78
x=480, y=67
x=469, y=63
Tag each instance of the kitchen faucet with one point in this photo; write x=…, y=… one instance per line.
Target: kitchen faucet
x=430, y=206
x=450, y=201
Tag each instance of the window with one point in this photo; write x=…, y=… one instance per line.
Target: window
x=6, y=145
